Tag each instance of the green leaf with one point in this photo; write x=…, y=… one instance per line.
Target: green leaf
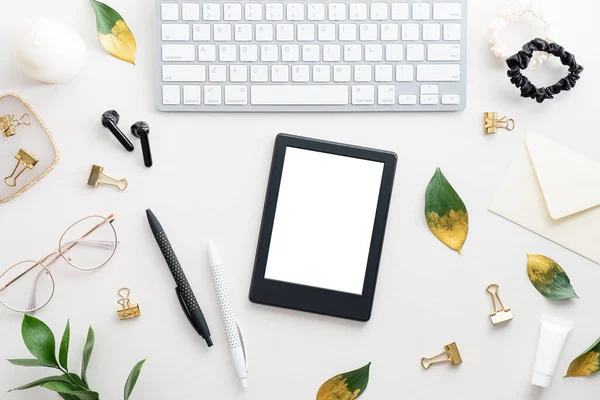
x=549, y=278
x=67, y=396
x=63, y=353
x=587, y=363
x=77, y=381
x=27, y=362
x=87, y=354
x=114, y=34
x=346, y=386
x=39, y=339
x=74, y=393
x=445, y=212
x=132, y=379
x=61, y=387
x=42, y=381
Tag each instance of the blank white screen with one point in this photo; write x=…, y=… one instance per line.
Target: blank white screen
x=324, y=220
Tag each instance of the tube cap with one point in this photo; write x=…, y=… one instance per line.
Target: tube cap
x=541, y=380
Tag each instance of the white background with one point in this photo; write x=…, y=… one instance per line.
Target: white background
x=209, y=181
x=324, y=220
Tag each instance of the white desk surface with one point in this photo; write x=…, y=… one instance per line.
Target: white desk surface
x=209, y=181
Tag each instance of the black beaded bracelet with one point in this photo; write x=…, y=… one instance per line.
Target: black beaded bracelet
x=521, y=60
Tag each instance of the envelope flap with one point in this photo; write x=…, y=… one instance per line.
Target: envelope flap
x=569, y=181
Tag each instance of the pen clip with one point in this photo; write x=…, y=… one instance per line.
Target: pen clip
x=184, y=307
x=241, y=334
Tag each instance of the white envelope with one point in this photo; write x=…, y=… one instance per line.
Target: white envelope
x=555, y=193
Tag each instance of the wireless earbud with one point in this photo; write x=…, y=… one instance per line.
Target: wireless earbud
x=141, y=130
x=110, y=119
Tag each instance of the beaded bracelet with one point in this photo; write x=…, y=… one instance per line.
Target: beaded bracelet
x=521, y=60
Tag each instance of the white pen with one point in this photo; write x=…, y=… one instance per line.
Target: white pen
x=234, y=334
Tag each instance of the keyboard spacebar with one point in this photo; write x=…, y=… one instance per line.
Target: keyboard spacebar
x=298, y=95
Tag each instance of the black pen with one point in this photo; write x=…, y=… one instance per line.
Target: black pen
x=186, y=297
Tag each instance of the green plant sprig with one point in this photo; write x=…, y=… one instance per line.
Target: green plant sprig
x=40, y=342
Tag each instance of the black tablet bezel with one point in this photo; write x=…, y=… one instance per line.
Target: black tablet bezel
x=308, y=298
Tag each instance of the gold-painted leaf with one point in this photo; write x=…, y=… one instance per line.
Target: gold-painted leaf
x=346, y=386
x=113, y=32
x=549, y=278
x=587, y=363
x=446, y=213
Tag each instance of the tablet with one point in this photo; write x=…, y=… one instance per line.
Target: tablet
x=323, y=225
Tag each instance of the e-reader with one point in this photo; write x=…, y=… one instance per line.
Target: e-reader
x=323, y=226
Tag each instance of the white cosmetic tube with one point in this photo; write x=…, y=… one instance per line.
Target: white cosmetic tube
x=553, y=333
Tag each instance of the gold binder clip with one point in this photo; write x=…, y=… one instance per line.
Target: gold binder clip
x=491, y=122
x=28, y=161
x=128, y=310
x=9, y=123
x=502, y=315
x=96, y=175
x=450, y=351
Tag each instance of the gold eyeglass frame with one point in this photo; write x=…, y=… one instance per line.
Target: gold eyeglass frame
x=60, y=253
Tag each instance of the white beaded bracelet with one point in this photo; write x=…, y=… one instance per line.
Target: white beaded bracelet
x=512, y=14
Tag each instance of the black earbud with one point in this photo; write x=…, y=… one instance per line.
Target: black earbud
x=110, y=119
x=141, y=130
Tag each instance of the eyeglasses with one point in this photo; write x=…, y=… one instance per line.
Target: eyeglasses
x=86, y=245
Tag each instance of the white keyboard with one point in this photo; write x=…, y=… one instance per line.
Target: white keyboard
x=311, y=55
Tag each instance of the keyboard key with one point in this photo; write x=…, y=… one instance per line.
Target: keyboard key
x=248, y=52
x=358, y=11
x=207, y=52
x=290, y=53
x=407, y=99
x=450, y=99
x=253, y=11
x=178, y=52
x=394, y=52
x=175, y=32
x=342, y=73
x=347, y=32
x=300, y=73
x=285, y=32
x=368, y=32
x=211, y=11
x=192, y=94
x=386, y=94
x=201, y=32
x=190, y=12
x=421, y=11
x=259, y=73
x=269, y=52
x=449, y=11
x=363, y=94
x=280, y=73
x=227, y=52
x=430, y=89
x=337, y=11
x=295, y=11
x=306, y=33
x=238, y=73
x=212, y=95
x=438, y=72
x=430, y=99
x=222, y=32
x=236, y=95
x=321, y=73
x=410, y=31
x=452, y=31
x=373, y=52
x=326, y=32
x=299, y=95
x=243, y=32
x=316, y=11
x=264, y=33
x=311, y=52
x=443, y=52
x=332, y=52
x=405, y=73
x=171, y=94
x=363, y=73
x=217, y=73
x=274, y=12
x=432, y=32
x=352, y=52
x=415, y=52
x=169, y=11
x=383, y=73
x=233, y=12
x=400, y=11
x=379, y=11
x=183, y=73
x=389, y=32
